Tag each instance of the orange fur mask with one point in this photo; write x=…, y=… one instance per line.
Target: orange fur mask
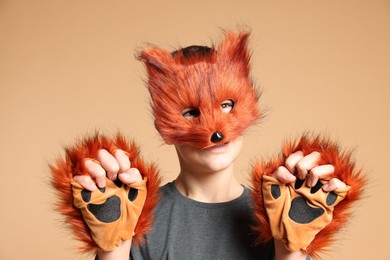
x=202, y=78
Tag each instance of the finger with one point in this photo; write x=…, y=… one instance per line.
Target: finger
x=131, y=176
x=85, y=181
x=109, y=163
x=292, y=161
x=307, y=163
x=123, y=160
x=283, y=175
x=319, y=172
x=333, y=184
x=96, y=171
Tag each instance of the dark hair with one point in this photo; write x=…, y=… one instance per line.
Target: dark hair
x=193, y=51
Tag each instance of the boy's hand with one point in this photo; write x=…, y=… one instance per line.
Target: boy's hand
x=307, y=167
x=304, y=195
x=106, y=165
x=106, y=191
x=110, y=195
x=294, y=188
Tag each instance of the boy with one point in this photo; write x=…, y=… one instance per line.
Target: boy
x=203, y=102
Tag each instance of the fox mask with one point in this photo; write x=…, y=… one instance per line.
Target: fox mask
x=201, y=81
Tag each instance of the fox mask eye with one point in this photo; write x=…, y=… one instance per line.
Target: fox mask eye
x=191, y=113
x=227, y=105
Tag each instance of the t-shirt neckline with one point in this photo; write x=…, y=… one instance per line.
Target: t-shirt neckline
x=210, y=205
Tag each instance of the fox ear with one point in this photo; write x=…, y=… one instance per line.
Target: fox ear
x=234, y=49
x=156, y=60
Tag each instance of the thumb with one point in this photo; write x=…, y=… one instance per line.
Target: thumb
x=132, y=175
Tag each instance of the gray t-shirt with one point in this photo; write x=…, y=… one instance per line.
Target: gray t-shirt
x=187, y=229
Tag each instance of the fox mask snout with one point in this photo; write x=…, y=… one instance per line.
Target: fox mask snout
x=202, y=96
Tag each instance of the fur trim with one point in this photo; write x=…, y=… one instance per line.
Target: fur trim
x=203, y=81
x=73, y=164
x=344, y=170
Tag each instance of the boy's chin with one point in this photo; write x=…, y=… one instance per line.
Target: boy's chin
x=216, y=164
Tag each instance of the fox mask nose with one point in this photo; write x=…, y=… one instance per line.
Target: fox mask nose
x=216, y=137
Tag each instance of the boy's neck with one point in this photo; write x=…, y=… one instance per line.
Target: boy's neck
x=213, y=187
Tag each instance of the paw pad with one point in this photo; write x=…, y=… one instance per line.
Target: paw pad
x=301, y=211
x=112, y=212
x=296, y=212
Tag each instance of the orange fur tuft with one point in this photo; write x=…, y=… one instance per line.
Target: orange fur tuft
x=202, y=80
x=73, y=164
x=344, y=170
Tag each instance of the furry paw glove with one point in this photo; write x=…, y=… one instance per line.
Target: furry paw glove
x=112, y=212
x=102, y=219
x=298, y=212
x=304, y=218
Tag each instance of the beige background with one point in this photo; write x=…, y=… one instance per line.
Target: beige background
x=68, y=68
